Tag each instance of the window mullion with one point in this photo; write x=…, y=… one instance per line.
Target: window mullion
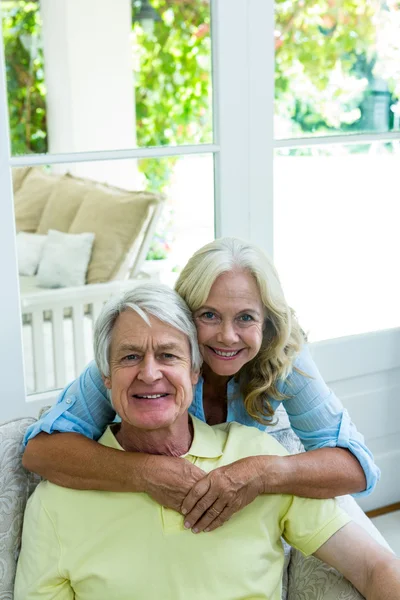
x=11, y=353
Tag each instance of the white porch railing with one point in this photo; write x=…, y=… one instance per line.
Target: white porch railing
x=58, y=331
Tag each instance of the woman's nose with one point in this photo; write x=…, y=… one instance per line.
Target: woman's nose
x=149, y=371
x=228, y=334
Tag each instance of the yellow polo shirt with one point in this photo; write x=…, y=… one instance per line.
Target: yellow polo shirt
x=92, y=545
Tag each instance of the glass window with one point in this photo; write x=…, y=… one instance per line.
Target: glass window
x=337, y=67
x=336, y=220
x=83, y=234
x=75, y=84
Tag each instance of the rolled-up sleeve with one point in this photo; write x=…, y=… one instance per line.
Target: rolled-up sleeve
x=83, y=407
x=319, y=419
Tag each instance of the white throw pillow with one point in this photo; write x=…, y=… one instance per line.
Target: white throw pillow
x=65, y=259
x=29, y=252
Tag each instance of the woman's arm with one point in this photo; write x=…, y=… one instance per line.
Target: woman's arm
x=73, y=461
x=340, y=462
x=322, y=473
x=226, y=490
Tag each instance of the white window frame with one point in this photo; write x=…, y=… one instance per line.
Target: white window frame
x=243, y=150
x=242, y=41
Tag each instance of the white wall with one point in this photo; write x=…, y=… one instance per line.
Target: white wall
x=364, y=372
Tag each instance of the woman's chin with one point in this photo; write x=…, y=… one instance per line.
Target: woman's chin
x=225, y=368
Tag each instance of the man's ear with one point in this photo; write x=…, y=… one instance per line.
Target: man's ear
x=195, y=377
x=107, y=382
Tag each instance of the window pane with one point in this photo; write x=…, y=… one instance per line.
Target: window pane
x=337, y=67
x=80, y=239
x=87, y=75
x=337, y=245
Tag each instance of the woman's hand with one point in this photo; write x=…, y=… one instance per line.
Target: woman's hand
x=221, y=493
x=168, y=480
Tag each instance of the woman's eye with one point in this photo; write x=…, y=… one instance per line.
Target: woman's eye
x=246, y=318
x=131, y=357
x=168, y=356
x=208, y=315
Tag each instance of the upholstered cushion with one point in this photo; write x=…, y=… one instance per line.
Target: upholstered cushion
x=311, y=579
x=16, y=485
x=63, y=204
x=116, y=220
x=65, y=259
x=29, y=252
x=18, y=176
x=31, y=198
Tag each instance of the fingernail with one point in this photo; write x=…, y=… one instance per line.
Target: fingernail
x=195, y=530
x=187, y=525
x=207, y=529
x=184, y=511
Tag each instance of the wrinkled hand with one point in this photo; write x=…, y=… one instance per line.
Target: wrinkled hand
x=168, y=480
x=221, y=493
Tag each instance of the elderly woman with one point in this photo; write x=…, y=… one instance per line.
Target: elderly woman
x=96, y=545
x=255, y=358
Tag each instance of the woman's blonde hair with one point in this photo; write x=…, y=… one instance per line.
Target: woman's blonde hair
x=282, y=335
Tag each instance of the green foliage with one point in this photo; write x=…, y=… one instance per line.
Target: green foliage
x=25, y=77
x=326, y=52
x=173, y=82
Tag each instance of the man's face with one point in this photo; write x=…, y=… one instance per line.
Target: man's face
x=151, y=378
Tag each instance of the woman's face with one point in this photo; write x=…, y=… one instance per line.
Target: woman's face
x=230, y=323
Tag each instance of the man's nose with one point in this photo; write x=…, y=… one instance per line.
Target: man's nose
x=228, y=334
x=149, y=371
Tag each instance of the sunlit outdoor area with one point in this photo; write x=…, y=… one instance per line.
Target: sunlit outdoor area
x=337, y=245
x=137, y=83
x=337, y=67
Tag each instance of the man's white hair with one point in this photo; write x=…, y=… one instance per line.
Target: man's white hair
x=148, y=299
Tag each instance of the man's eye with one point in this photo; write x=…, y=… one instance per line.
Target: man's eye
x=168, y=355
x=131, y=357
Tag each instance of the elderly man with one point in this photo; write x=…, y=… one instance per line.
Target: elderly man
x=93, y=545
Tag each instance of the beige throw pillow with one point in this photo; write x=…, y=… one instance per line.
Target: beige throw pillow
x=18, y=176
x=116, y=220
x=63, y=204
x=30, y=200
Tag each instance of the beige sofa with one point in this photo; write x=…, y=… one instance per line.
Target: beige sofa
x=304, y=578
x=122, y=221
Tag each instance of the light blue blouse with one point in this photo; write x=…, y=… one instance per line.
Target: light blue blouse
x=316, y=415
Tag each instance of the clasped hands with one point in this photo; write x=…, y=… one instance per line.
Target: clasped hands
x=207, y=500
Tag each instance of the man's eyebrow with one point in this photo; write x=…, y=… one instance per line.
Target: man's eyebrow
x=169, y=346
x=160, y=347
x=129, y=348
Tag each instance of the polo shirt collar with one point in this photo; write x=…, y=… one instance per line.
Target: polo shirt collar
x=205, y=444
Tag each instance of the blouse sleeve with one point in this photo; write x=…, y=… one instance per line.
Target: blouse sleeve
x=82, y=407
x=319, y=419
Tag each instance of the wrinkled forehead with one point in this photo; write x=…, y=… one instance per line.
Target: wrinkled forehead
x=131, y=331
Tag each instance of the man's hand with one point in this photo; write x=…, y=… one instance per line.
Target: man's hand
x=221, y=493
x=168, y=480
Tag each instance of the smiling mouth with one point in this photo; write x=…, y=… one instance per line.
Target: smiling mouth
x=149, y=396
x=226, y=354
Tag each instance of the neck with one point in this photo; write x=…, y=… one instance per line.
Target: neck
x=218, y=382
x=174, y=440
